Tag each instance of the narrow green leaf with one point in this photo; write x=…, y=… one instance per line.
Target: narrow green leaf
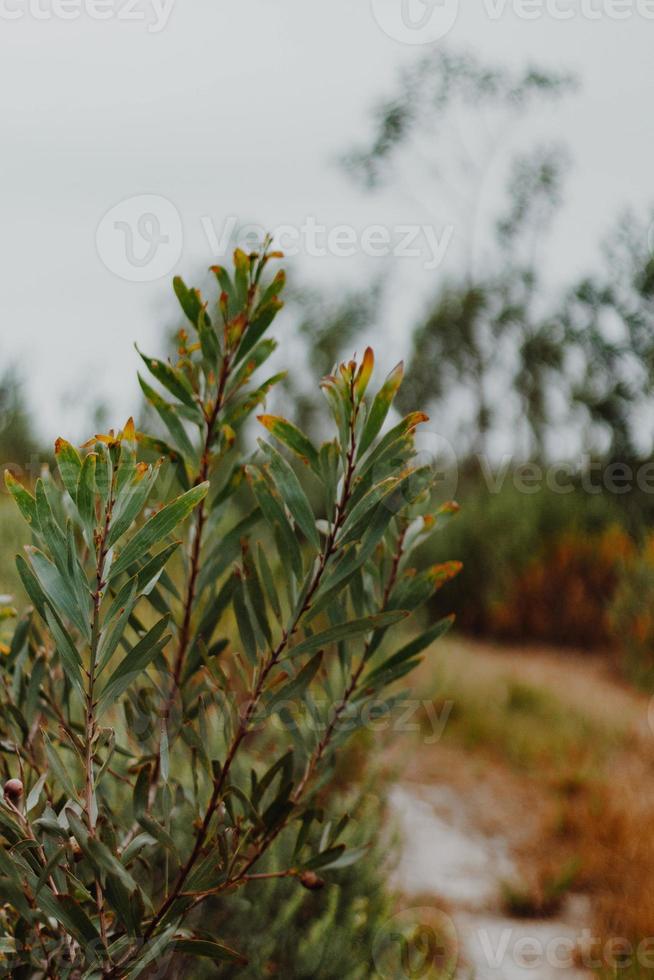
x=111, y=637
x=35, y=793
x=380, y=407
x=291, y=436
x=208, y=339
x=226, y=550
x=226, y=286
x=275, y=516
x=189, y=299
x=136, y=661
x=296, y=688
x=98, y=853
x=274, y=287
x=33, y=689
x=258, y=325
x=208, y=949
x=345, y=860
x=256, y=596
x=258, y=356
x=144, y=580
x=66, y=910
x=269, y=583
x=118, y=898
x=86, y=495
x=60, y=594
x=103, y=470
x=131, y=502
x=24, y=499
x=412, y=649
x=50, y=530
x=158, y=832
x=343, y=631
x=164, y=755
x=325, y=859
x=32, y=586
x=362, y=509
x=152, y=951
x=70, y=465
x=173, y=380
x=158, y=527
x=291, y=490
x=237, y=414
x=245, y=629
x=167, y=415
x=70, y=658
x=392, y=441
x=141, y=789
x=58, y=769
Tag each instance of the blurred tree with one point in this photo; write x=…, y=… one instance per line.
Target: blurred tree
x=608, y=320
x=450, y=118
x=519, y=359
x=490, y=335
x=18, y=439
x=485, y=332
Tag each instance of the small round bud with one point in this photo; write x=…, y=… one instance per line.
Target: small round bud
x=13, y=790
x=310, y=880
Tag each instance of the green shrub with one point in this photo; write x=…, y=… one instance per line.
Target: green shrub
x=564, y=592
x=632, y=617
x=173, y=706
x=14, y=536
x=500, y=537
x=317, y=935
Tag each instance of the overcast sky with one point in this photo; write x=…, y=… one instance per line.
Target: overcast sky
x=241, y=108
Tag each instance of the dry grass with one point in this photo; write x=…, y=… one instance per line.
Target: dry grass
x=610, y=827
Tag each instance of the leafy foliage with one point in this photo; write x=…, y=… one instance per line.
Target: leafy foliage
x=511, y=588
x=200, y=642
x=576, y=574
x=631, y=619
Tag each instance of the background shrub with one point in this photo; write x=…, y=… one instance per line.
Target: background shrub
x=631, y=616
x=539, y=566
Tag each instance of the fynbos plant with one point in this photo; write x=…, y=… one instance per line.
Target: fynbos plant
x=170, y=707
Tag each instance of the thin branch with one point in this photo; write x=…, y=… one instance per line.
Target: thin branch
x=90, y=721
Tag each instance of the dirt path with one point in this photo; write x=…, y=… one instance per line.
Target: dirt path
x=445, y=855
x=470, y=823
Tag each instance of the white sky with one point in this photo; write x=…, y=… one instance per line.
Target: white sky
x=240, y=107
